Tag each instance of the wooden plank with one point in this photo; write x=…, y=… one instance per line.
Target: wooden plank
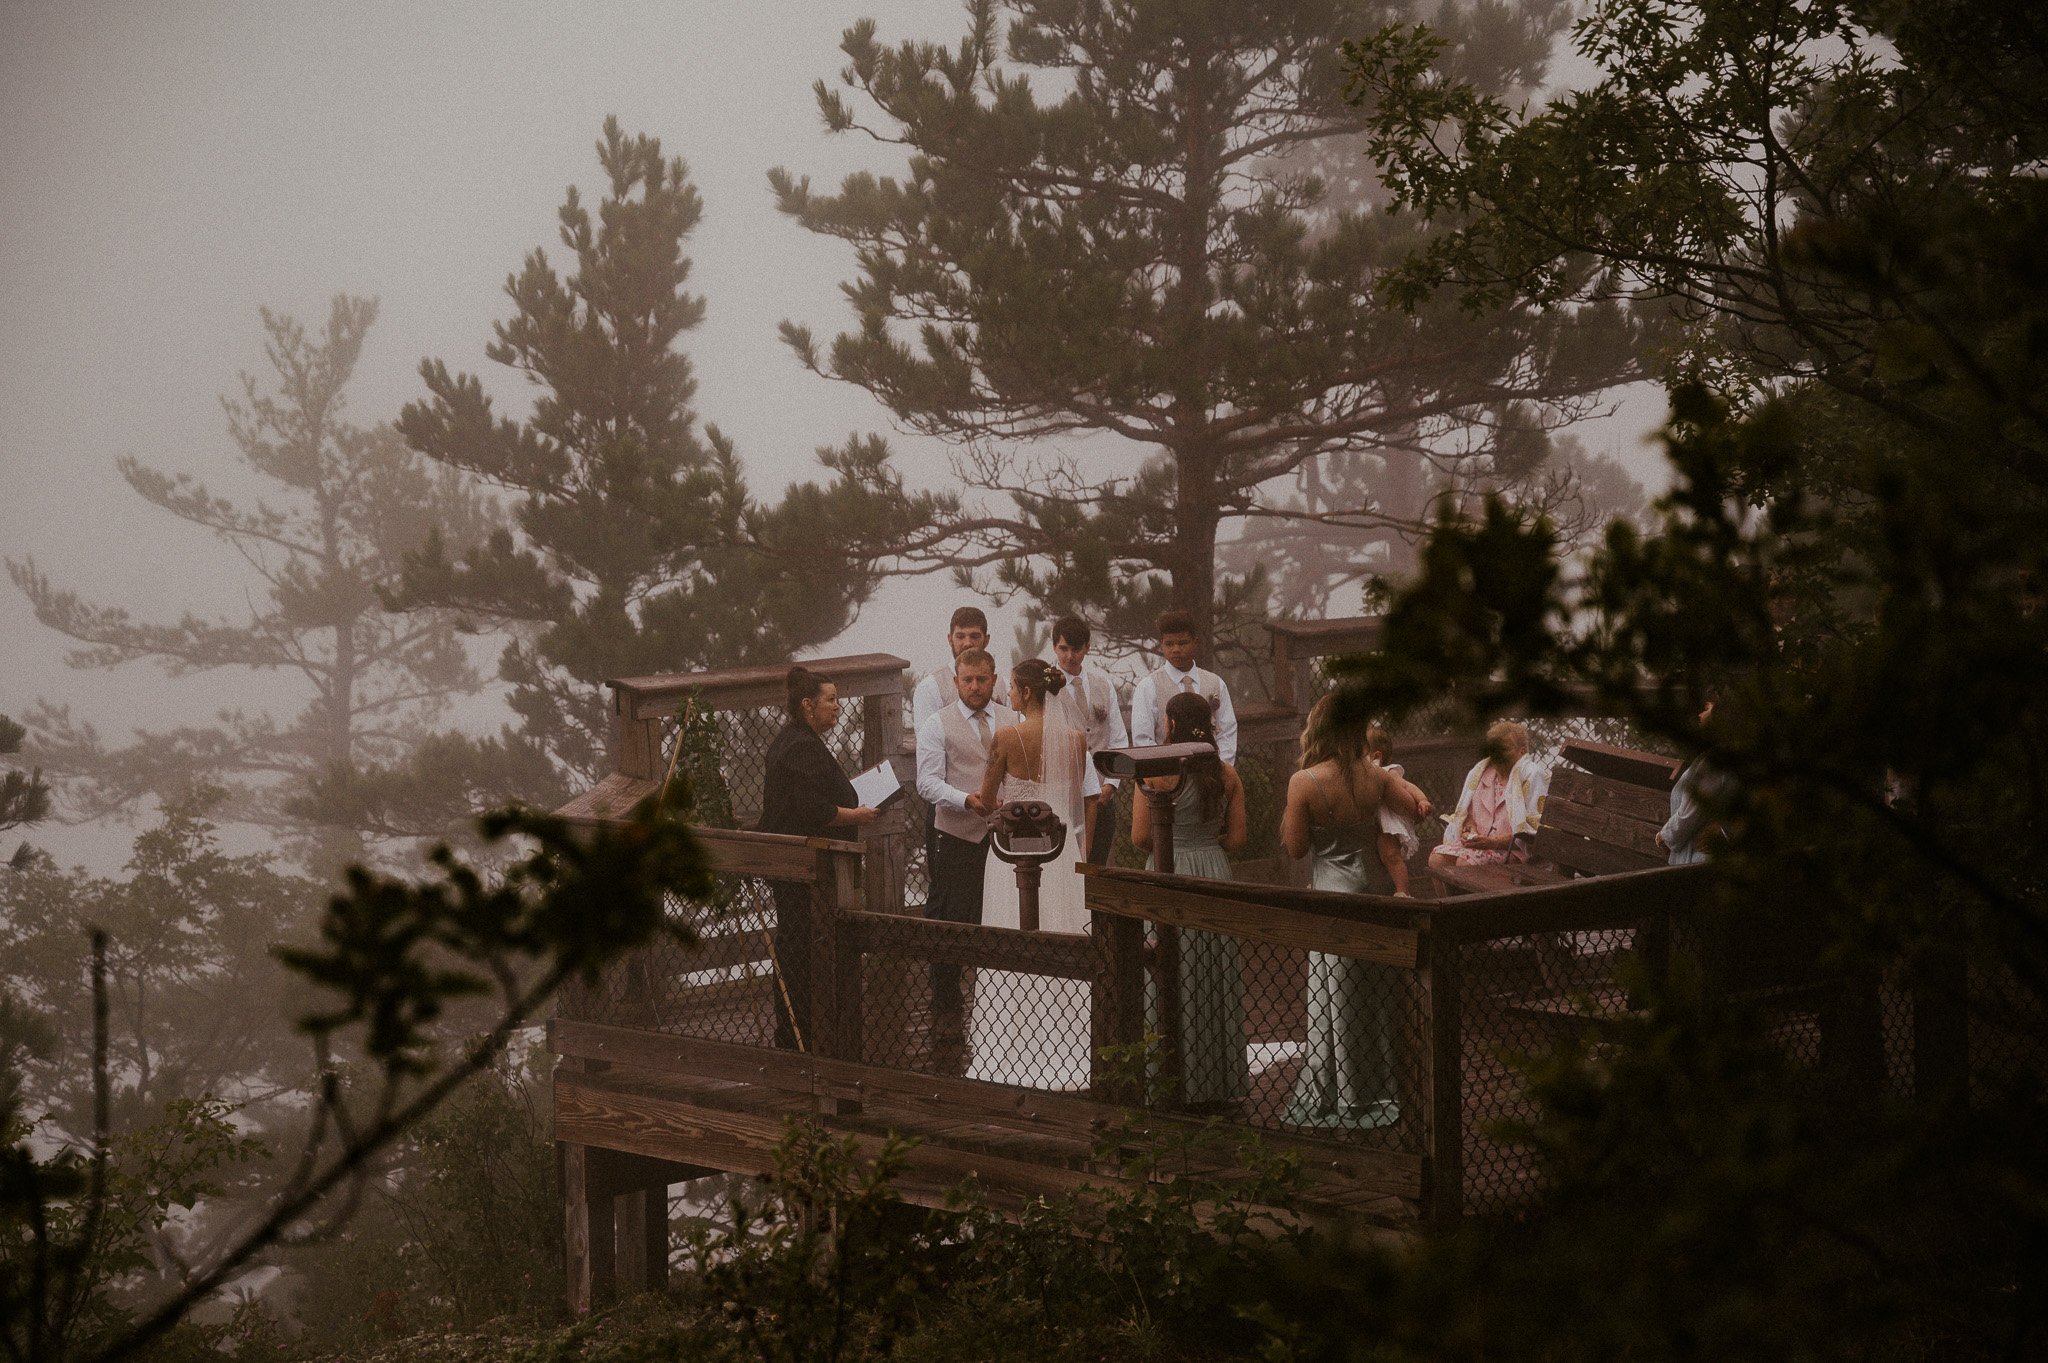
x=629, y=1226
x=1618, y=797
x=610, y=801
x=1588, y=904
x=1069, y=1118
x=1288, y=690
x=1604, y=826
x=1631, y=766
x=787, y=1071
x=571, y=1163
x=1320, y=638
x=1487, y=879
x=1057, y=955
x=654, y=1246
x=745, y=1143
x=612, y=1172
x=657, y=696
x=772, y=856
x=1255, y=918
x=1444, y=1132
x=1588, y=856
x=1386, y=910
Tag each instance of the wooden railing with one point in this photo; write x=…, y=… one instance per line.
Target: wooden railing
x=1419, y=939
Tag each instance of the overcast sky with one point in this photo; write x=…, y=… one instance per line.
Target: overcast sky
x=168, y=168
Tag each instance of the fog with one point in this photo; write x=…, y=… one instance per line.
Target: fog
x=169, y=169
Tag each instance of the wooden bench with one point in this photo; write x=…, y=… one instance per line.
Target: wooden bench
x=1600, y=818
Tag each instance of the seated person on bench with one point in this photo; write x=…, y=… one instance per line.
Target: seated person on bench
x=1501, y=806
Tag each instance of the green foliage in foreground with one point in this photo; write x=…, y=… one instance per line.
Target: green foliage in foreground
x=824, y=1262
x=390, y=958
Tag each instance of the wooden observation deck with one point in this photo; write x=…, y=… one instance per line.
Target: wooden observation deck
x=668, y=1070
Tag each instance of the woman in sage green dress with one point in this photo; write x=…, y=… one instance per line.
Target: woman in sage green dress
x=1349, y=1066
x=1208, y=823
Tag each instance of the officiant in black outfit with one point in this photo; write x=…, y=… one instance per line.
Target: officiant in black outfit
x=803, y=792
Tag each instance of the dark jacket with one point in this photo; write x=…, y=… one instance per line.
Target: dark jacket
x=803, y=787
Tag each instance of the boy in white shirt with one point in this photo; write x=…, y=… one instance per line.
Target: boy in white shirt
x=1178, y=645
x=936, y=690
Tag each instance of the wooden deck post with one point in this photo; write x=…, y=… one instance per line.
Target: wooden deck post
x=835, y=1021
x=886, y=842
x=1443, y=1079
x=1117, y=1003
x=587, y=1231
x=640, y=1222
x=1941, y=1028
x=636, y=742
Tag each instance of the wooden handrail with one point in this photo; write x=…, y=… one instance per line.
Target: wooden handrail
x=1324, y=920
x=1368, y=928
x=657, y=696
x=774, y=856
x=1057, y=955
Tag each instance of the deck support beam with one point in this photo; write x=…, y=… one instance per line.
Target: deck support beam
x=615, y=1221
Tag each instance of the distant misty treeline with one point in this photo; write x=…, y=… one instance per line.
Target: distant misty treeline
x=1184, y=253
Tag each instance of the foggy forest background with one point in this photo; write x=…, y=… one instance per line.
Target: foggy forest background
x=1704, y=361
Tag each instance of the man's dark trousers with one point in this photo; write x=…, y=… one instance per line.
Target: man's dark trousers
x=957, y=867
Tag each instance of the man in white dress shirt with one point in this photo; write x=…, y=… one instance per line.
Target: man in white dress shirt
x=1091, y=705
x=953, y=747
x=935, y=690
x=1178, y=644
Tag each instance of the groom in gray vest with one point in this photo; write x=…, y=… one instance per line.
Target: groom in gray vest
x=953, y=746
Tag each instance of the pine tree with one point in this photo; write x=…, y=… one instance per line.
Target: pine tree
x=352, y=502
x=1119, y=233
x=638, y=548
x=24, y=799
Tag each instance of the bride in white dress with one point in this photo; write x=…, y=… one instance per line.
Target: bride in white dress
x=1032, y=1030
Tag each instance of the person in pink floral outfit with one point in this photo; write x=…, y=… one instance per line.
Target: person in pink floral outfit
x=1501, y=806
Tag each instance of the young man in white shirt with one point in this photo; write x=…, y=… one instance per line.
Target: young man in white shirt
x=952, y=753
x=1178, y=645
x=936, y=690
x=1089, y=703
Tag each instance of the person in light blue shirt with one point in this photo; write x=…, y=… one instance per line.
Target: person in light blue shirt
x=1698, y=786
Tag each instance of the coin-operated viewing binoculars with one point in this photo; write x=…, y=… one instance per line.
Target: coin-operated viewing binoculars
x=1168, y=759
x=1027, y=834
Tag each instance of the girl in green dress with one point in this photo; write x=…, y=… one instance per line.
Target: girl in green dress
x=1348, y=1073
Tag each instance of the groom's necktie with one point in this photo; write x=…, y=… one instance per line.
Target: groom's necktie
x=981, y=728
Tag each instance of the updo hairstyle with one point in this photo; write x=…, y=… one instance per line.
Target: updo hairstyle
x=804, y=684
x=1191, y=719
x=1037, y=679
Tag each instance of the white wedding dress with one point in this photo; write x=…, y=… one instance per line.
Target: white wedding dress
x=1032, y=1030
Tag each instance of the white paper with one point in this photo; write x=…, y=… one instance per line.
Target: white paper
x=876, y=786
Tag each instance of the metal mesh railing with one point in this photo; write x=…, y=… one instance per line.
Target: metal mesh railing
x=1518, y=995
x=1026, y=1021
x=1294, y=1040
x=720, y=987
x=741, y=738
